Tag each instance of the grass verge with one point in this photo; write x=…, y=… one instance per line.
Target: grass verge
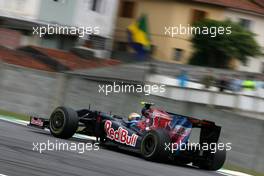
x=14, y=115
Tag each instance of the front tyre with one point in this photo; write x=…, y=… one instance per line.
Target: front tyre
x=63, y=122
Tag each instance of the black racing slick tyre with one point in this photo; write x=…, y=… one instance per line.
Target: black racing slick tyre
x=153, y=145
x=63, y=122
x=216, y=161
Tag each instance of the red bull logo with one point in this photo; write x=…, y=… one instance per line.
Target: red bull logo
x=120, y=135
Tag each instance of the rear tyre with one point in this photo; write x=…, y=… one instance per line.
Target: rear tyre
x=216, y=162
x=63, y=122
x=153, y=145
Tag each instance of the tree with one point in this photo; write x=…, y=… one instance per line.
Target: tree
x=220, y=41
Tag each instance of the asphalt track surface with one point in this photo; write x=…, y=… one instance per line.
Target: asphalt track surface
x=17, y=158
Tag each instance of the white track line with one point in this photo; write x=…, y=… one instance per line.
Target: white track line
x=231, y=173
x=11, y=119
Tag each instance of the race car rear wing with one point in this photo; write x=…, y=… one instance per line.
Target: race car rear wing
x=210, y=132
x=196, y=122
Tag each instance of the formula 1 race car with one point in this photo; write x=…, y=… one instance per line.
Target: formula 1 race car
x=158, y=136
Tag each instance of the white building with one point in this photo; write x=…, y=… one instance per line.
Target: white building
x=72, y=13
x=81, y=13
x=94, y=14
x=20, y=9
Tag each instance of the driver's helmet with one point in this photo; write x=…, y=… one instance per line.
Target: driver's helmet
x=134, y=117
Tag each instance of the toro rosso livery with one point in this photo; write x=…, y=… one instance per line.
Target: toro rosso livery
x=156, y=134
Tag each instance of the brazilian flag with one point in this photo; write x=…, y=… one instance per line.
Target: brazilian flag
x=138, y=36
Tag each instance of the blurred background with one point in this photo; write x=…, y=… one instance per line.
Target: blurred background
x=220, y=79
